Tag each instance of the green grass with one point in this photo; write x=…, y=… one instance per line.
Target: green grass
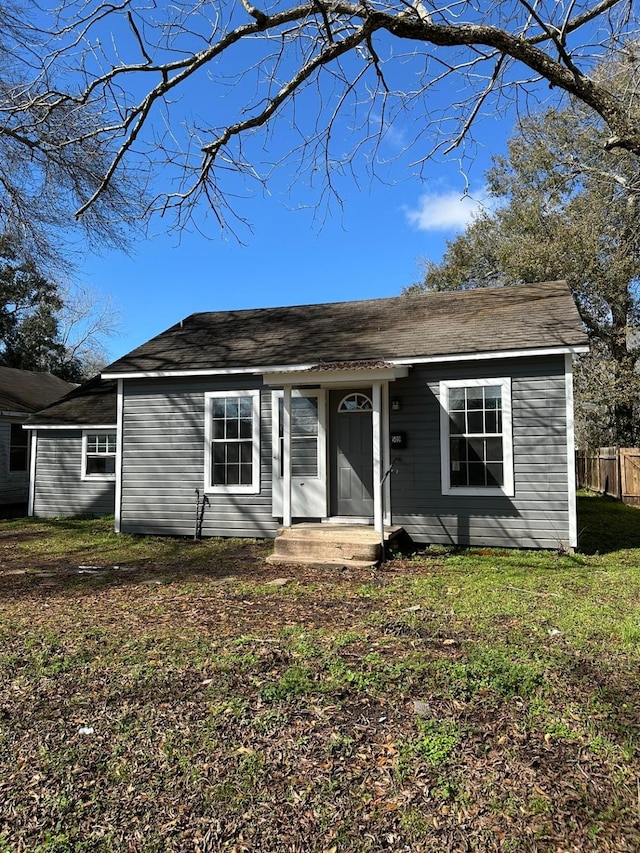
x=484, y=699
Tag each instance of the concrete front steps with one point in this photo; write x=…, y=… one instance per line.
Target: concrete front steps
x=340, y=545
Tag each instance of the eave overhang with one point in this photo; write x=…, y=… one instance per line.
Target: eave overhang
x=270, y=370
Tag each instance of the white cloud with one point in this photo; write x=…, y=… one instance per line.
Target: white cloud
x=445, y=211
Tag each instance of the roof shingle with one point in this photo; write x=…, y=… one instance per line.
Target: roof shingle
x=93, y=403
x=402, y=327
x=27, y=391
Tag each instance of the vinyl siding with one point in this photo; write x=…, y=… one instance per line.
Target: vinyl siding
x=60, y=489
x=537, y=515
x=163, y=462
x=14, y=485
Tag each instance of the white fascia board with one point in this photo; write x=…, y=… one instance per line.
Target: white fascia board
x=306, y=368
x=71, y=426
x=493, y=354
x=208, y=371
x=7, y=414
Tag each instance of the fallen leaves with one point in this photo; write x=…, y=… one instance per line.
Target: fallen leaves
x=217, y=710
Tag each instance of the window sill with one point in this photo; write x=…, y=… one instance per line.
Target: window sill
x=232, y=490
x=484, y=491
x=98, y=478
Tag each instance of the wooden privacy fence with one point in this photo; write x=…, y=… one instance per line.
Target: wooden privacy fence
x=613, y=471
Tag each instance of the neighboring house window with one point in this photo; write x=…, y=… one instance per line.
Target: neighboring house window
x=18, y=449
x=476, y=440
x=99, y=456
x=232, y=435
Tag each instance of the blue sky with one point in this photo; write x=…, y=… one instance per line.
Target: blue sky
x=371, y=248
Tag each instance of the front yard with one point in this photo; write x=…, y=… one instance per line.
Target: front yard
x=168, y=695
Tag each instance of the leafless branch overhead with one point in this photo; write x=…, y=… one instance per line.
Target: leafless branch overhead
x=193, y=91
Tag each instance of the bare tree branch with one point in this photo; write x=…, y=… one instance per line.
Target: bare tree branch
x=256, y=69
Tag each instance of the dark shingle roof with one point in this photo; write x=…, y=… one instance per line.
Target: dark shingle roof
x=93, y=403
x=27, y=391
x=409, y=326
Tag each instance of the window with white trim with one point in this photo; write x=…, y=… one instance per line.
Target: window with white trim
x=98, y=455
x=476, y=439
x=232, y=441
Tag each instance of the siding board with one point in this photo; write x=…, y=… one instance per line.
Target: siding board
x=60, y=489
x=537, y=515
x=163, y=460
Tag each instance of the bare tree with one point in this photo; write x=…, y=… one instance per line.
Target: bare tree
x=181, y=90
x=85, y=321
x=51, y=157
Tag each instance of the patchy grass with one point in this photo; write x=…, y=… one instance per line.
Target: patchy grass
x=171, y=698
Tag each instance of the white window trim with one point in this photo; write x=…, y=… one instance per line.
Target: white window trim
x=252, y=488
x=94, y=477
x=507, y=439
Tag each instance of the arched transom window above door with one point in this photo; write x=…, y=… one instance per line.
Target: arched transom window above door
x=355, y=402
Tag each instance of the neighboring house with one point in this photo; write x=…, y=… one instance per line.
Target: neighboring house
x=449, y=414
x=22, y=392
x=73, y=453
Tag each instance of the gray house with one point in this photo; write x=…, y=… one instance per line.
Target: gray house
x=22, y=392
x=73, y=448
x=447, y=414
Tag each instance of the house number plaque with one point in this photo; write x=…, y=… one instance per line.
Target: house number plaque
x=399, y=440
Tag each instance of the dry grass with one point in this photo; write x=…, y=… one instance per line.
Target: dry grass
x=473, y=701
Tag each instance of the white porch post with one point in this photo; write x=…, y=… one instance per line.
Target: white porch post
x=386, y=456
x=378, y=512
x=286, y=457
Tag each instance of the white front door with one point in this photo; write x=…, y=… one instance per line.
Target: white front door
x=308, y=454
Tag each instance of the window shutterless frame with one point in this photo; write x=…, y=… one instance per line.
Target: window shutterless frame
x=476, y=438
x=98, y=455
x=232, y=442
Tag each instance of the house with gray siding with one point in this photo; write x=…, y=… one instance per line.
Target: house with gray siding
x=449, y=415
x=73, y=453
x=22, y=392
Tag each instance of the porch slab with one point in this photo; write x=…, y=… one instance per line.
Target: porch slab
x=331, y=545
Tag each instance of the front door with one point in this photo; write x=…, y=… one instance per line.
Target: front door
x=351, y=453
x=308, y=454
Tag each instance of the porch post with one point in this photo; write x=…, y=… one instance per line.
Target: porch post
x=386, y=456
x=286, y=457
x=378, y=517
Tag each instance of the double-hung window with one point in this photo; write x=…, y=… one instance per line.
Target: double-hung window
x=18, y=448
x=99, y=455
x=232, y=441
x=476, y=437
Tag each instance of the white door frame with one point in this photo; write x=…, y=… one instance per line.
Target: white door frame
x=287, y=490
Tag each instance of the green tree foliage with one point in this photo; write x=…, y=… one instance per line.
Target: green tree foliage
x=30, y=307
x=566, y=209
